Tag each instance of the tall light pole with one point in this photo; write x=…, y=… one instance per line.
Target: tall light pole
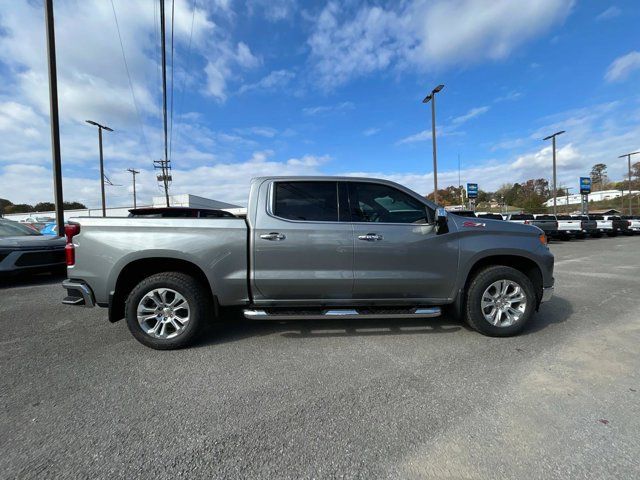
x=100, y=128
x=628, y=155
x=553, y=141
x=432, y=97
x=134, y=172
x=53, y=108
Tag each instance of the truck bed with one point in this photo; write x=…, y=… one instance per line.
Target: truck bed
x=106, y=245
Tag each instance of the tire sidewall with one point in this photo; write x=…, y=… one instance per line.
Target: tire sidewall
x=480, y=283
x=182, y=284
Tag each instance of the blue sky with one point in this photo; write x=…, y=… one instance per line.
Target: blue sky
x=282, y=87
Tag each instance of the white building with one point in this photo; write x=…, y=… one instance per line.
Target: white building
x=182, y=200
x=576, y=198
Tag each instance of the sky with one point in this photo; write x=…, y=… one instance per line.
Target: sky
x=279, y=87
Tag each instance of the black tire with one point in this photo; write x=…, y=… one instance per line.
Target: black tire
x=479, y=283
x=194, y=293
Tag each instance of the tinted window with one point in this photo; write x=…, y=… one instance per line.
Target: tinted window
x=14, y=229
x=521, y=216
x=493, y=216
x=546, y=217
x=464, y=213
x=372, y=202
x=596, y=217
x=564, y=217
x=310, y=201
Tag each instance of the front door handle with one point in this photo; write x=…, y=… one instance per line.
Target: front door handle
x=273, y=236
x=370, y=237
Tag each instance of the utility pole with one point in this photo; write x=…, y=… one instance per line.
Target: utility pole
x=566, y=191
x=553, y=141
x=53, y=112
x=628, y=155
x=100, y=128
x=134, y=172
x=165, y=164
x=432, y=97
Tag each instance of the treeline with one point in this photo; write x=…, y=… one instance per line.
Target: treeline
x=6, y=206
x=531, y=194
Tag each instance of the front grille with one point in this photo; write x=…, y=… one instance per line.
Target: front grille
x=32, y=259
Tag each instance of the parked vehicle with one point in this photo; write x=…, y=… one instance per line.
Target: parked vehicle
x=619, y=225
x=310, y=247
x=51, y=228
x=605, y=227
x=178, y=212
x=634, y=223
x=548, y=226
x=568, y=227
x=23, y=249
x=492, y=216
x=464, y=213
x=589, y=227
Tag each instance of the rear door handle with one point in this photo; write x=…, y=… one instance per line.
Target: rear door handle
x=273, y=236
x=370, y=237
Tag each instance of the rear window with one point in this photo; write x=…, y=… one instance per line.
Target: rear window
x=549, y=217
x=14, y=229
x=521, y=216
x=564, y=217
x=596, y=217
x=493, y=216
x=309, y=201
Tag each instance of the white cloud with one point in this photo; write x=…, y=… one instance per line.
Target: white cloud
x=350, y=42
x=445, y=130
x=274, y=80
x=324, y=109
x=273, y=10
x=622, y=67
x=371, y=131
x=609, y=13
x=473, y=113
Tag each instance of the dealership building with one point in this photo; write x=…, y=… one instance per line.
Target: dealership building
x=576, y=198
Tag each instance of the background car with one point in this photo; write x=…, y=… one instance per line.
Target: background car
x=23, y=249
x=492, y=216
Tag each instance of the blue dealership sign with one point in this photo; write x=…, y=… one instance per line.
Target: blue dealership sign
x=472, y=190
x=585, y=185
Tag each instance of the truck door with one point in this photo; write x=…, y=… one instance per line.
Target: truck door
x=301, y=249
x=398, y=253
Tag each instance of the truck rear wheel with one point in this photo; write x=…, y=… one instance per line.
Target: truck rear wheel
x=167, y=310
x=499, y=301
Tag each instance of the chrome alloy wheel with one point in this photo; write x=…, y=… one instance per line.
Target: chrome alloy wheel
x=163, y=313
x=503, y=303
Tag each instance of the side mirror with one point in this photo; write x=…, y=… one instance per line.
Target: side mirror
x=441, y=220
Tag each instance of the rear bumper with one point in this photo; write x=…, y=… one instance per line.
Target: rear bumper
x=547, y=293
x=78, y=294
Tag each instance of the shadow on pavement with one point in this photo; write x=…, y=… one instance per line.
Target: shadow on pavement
x=236, y=328
x=556, y=310
x=30, y=279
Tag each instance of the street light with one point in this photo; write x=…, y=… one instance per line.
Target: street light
x=628, y=155
x=432, y=97
x=553, y=140
x=100, y=128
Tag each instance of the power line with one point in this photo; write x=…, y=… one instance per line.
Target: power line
x=173, y=4
x=133, y=95
x=188, y=64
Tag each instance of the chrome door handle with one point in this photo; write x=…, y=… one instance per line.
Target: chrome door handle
x=274, y=236
x=370, y=237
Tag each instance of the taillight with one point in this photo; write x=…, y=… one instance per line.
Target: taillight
x=70, y=231
x=526, y=222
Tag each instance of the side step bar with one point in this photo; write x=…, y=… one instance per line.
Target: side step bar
x=259, y=314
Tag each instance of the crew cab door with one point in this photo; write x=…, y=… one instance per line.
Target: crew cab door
x=301, y=250
x=398, y=254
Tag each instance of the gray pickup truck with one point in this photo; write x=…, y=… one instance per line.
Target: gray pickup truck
x=310, y=247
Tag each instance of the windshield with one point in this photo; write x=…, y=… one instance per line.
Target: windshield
x=14, y=229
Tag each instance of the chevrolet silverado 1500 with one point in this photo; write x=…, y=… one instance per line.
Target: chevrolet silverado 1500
x=310, y=247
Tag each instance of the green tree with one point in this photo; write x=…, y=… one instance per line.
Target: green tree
x=19, y=208
x=4, y=203
x=73, y=206
x=44, y=207
x=599, y=176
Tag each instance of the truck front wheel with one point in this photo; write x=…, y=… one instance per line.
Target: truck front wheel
x=499, y=301
x=167, y=310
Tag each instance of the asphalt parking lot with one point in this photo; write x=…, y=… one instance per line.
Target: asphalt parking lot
x=385, y=399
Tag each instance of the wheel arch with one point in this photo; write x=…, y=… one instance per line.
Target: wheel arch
x=137, y=270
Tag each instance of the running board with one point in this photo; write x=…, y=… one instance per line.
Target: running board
x=259, y=314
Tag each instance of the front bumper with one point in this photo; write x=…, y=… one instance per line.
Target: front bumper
x=547, y=293
x=78, y=293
